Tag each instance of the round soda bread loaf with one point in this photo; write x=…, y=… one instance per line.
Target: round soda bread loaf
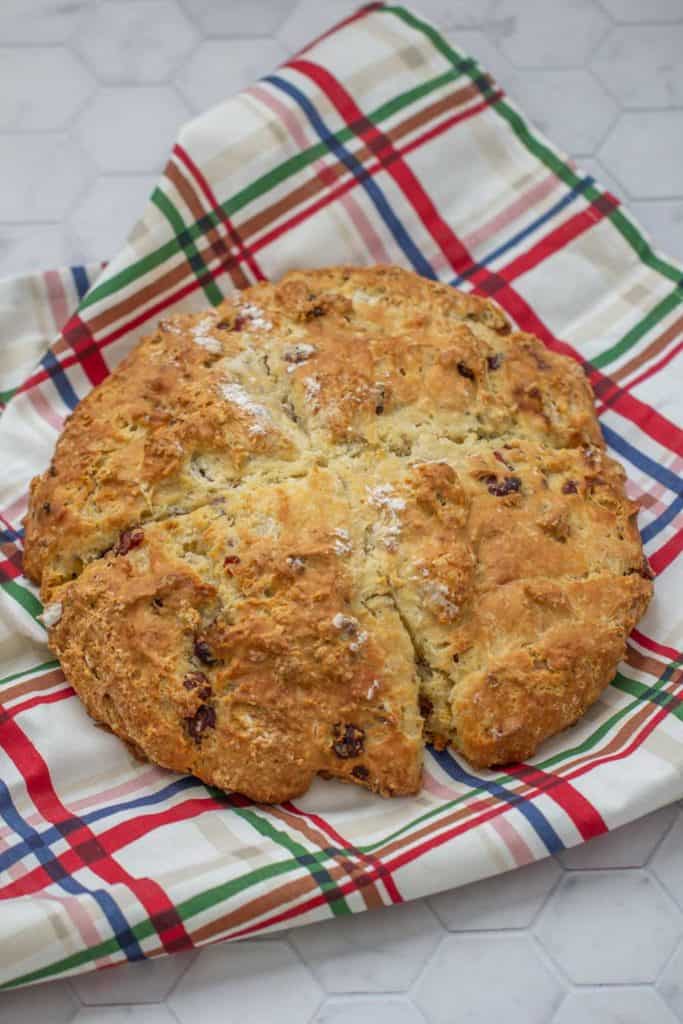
x=331, y=520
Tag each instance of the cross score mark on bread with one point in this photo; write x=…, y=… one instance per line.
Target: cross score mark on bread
x=330, y=520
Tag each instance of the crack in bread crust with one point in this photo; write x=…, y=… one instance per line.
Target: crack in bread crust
x=333, y=518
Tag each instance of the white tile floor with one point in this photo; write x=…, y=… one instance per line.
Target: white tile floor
x=91, y=94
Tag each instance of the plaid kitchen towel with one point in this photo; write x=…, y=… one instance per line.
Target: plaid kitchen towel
x=379, y=143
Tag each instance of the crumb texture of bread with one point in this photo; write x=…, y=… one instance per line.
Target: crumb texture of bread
x=330, y=520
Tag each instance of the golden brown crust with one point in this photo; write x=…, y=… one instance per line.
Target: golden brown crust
x=335, y=516
x=569, y=637
x=230, y=643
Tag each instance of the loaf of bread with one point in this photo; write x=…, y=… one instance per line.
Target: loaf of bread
x=329, y=521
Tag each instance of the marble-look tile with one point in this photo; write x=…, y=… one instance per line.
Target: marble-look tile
x=639, y=11
x=670, y=983
x=551, y=33
x=239, y=17
x=604, y=178
x=569, y=105
x=626, y=847
x=480, y=979
x=40, y=21
x=41, y=176
x=380, y=951
x=135, y=40
x=663, y=222
x=147, y=981
x=511, y=900
x=667, y=862
x=105, y=215
x=221, y=67
x=361, y=1010
x=256, y=980
x=19, y=244
x=609, y=926
x=448, y=15
x=642, y=65
x=614, y=1006
x=141, y=1014
x=309, y=18
x=128, y=129
x=645, y=151
x=53, y=1003
x=477, y=44
x=40, y=88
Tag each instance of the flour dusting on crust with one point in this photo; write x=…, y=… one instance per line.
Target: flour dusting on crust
x=388, y=530
x=203, y=337
x=236, y=394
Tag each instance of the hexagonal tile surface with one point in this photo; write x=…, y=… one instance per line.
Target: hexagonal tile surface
x=238, y=17
x=663, y=221
x=590, y=165
x=670, y=983
x=40, y=88
x=511, y=900
x=50, y=1004
x=125, y=1015
x=38, y=21
x=140, y=141
x=614, y=1006
x=642, y=65
x=477, y=44
x=637, y=11
x=551, y=35
x=450, y=15
x=135, y=40
x=571, y=105
x=19, y=244
x=609, y=927
x=105, y=215
x=41, y=176
x=147, y=981
x=249, y=977
x=657, y=133
x=372, y=952
x=462, y=983
x=367, y=1011
x=626, y=847
x=220, y=68
x=306, y=20
x=667, y=862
